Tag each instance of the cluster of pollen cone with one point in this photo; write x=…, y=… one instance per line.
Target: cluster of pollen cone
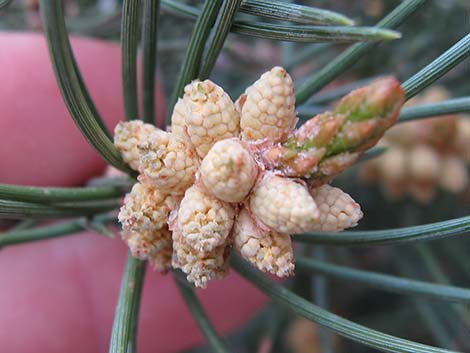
x=423, y=155
x=240, y=176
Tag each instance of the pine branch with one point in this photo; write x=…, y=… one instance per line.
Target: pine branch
x=451, y=106
x=74, y=92
x=47, y=195
x=124, y=332
x=343, y=327
x=195, y=49
x=344, y=61
x=294, y=13
x=22, y=210
x=312, y=34
x=437, y=68
x=295, y=33
x=149, y=57
x=320, y=293
x=219, y=34
x=213, y=339
x=129, y=43
x=384, y=282
x=20, y=236
x=427, y=232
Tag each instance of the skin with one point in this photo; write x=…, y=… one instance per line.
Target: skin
x=60, y=295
